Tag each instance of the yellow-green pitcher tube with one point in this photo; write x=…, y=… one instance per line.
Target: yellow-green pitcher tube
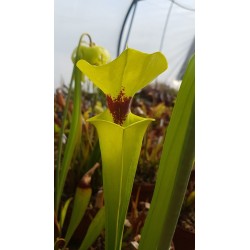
x=120, y=149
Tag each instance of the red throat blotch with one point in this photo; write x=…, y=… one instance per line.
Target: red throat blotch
x=119, y=107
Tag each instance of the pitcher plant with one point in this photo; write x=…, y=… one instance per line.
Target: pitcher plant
x=121, y=132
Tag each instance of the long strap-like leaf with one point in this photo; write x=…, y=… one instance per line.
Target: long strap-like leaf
x=74, y=134
x=94, y=230
x=73, y=137
x=174, y=170
x=81, y=201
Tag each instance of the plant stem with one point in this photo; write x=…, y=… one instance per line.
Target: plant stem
x=58, y=166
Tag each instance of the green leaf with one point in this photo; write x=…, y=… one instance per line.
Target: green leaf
x=120, y=155
x=74, y=135
x=62, y=170
x=81, y=201
x=94, y=230
x=64, y=211
x=174, y=170
x=129, y=72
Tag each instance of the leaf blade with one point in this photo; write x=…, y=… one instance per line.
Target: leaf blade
x=174, y=170
x=81, y=201
x=64, y=211
x=74, y=135
x=134, y=70
x=95, y=228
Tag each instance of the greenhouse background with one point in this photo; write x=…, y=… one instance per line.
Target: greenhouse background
x=149, y=26
x=37, y=41
x=132, y=163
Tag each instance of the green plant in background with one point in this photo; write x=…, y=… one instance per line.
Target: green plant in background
x=98, y=56
x=92, y=53
x=121, y=132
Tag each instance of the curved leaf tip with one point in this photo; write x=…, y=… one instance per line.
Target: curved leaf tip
x=130, y=72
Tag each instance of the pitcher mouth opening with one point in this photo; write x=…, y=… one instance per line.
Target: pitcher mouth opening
x=131, y=119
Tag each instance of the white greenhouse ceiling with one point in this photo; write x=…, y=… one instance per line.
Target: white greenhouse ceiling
x=146, y=25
